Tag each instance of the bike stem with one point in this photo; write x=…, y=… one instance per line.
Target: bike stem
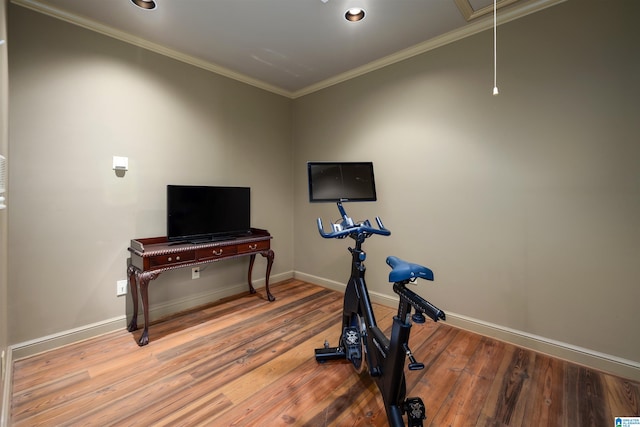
x=358, y=285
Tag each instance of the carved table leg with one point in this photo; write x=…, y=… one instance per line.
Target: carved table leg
x=269, y=255
x=144, y=279
x=252, y=258
x=133, y=285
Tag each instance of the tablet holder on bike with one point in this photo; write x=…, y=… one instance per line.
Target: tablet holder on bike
x=361, y=339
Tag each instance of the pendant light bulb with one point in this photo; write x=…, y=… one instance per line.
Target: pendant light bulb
x=495, y=91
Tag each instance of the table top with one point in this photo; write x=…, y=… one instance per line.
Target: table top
x=150, y=246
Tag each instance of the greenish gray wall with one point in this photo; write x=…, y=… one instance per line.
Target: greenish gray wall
x=77, y=99
x=4, y=145
x=525, y=205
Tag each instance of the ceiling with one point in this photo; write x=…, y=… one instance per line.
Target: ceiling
x=290, y=47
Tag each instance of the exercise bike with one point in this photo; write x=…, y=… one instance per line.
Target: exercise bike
x=362, y=340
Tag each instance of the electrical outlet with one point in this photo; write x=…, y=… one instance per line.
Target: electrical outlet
x=195, y=273
x=121, y=287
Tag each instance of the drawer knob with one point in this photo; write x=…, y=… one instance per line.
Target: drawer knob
x=177, y=258
x=253, y=247
x=169, y=259
x=217, y=253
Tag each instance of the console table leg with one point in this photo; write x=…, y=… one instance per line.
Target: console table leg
x=269, y=255
x=252, y=258
x=144, y=293
x=133, y=285
x=143, y=280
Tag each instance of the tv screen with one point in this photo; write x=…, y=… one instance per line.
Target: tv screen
x=341, y=181
x=200, y=213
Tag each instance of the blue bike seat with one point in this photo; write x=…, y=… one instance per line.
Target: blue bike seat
x=403, y=270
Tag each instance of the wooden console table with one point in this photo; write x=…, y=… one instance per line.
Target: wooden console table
x=152, y=256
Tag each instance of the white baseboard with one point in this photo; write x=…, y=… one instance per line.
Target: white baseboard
x=601, y=361
x=597, y=360
x=158, y=311
x=39, y=345
x=583, y=356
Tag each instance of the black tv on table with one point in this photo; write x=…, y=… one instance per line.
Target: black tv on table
x=341, y=182
x=201, y=213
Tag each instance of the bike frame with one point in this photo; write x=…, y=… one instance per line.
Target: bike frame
x=361, y=338
x=383, y=355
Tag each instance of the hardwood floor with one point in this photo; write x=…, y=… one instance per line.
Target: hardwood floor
x=247, y=362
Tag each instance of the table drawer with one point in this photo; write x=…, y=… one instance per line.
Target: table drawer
x=205, y=254
x=172, y=259
x=253, y=246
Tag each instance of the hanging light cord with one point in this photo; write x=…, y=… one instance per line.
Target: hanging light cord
x=495, y=51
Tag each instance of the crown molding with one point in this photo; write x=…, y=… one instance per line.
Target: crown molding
x=434, y=43
x=477, y=26
x=92, y=25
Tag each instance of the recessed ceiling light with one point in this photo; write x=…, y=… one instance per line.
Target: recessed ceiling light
x=144, y=4
x=354, y=14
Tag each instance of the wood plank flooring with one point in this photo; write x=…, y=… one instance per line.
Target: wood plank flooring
x=248, y=362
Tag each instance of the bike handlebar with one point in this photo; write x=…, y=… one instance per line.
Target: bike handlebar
x=347, y=228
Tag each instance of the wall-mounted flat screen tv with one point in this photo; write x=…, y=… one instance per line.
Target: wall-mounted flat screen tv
x=341, y=182
x=201, y=213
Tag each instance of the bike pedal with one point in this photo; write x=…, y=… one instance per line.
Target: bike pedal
x=415, y=410
x=351, y=343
